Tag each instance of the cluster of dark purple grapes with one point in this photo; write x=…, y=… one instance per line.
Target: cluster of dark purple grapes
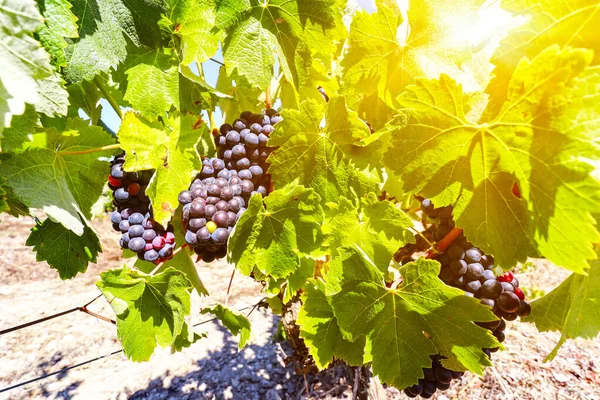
x=220, y=193
x=434, y=378
x=466, y=267
x=133, y=216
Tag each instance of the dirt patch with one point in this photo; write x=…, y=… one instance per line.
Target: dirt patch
x=213, y=367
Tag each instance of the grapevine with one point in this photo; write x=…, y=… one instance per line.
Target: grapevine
x=360, y=171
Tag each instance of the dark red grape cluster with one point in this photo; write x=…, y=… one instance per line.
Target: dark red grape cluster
x=220, y=193
x=466, y=267
x=133, y=215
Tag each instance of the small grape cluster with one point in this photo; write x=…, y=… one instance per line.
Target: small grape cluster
x=220, y=193
x=466, y=267
x=133, y=216
x=437, y=377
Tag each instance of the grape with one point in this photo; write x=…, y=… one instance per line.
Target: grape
x=232, y=138
x=507, y=287
x=474, y=271
x=134, y=189
x=221, y=182
x=242, y=163
x=247, y=187
x=519, y=293
x=222, y=205
x=149, y=235
x=524, y=309
x=148, y=223
x=136, y=231
x=207, y=170
x=221, y=252
x=115, y=217
x=214, y=190
x=220, y=236
x=121, y=195
x=500, y=336
x=268, y=129
x=256, y=171
x=166, y=252
x=251, y=141
x=197, y=209
x=225, y=128
x=212, y=200
x=456, y=252
x=443, y=375
x=227, y=193
x=225, y=174
x=124, y=225
x=510, y=316
x=473, y=255
x=234, y=205
x=442, y=386
x=262, y=140
x=231, y=218
x=428, y=389
x=458, y=267
x=507, y=277
x=508, y=302
x=117, y=172
x=136, y=219
x=245, y=175
x=203, y=235
x=239, y=124
x=227, y=154
x=487, y=275
x=488, y=302
x=151, y=255
x=190, y=238
x=196, y=223
x=221, y=219
x=514, y=282
x=209, y=211
x=236, y=189
x=414, y=390
x=262, y=190
x=275, y=119
x=158, y=242
x=211, y=226
x=473, y=286
x=208, y=256
x=243, y=133
x=137, y=244
x=491, y=288
x=256, y=128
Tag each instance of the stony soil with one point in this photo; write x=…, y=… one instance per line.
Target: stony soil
x=213, y=367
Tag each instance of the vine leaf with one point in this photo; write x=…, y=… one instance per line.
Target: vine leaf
x=384, y=55
x=62, y=249
x=272, y=236
x=233, y=320
x=4, y=207
x=60, y=23
x=319, y=155
x=377, y=227
x=193, y=23
x=150, y=310
x=242, y=95
x=571, y=308
x=50, y=173
x=544, y=140
x=405, y=325
x=572, y=22
x=320, y=330
x=105, y=31
x=26, y=75
x=294, y=30
x=169, y=150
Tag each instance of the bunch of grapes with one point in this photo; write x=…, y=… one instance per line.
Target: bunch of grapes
x=220, y=193
x=436, y=377
x=466, y=267
x=133, y=216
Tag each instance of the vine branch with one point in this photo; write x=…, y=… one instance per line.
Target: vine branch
x=444, y=243
x=109, y=97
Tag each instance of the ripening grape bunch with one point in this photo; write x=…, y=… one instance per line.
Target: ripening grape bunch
x=466, y=267
x=133, y=215
x=220, y=193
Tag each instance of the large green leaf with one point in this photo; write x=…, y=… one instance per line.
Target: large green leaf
x=384, y=56
x=150, y=310
x=545, y=141
x=193, y=22
x=295, y=30
x=170, y=150
x=570, y=22
x=62, y=249
x=404, y=326
x=60, y=172
x=106, y=28
x=233, y=320
x=320, y=330
x=377, y=227
x=571, y=308
x=319, y=156
x=26, y=75
x=60, y=23
x=272, y=236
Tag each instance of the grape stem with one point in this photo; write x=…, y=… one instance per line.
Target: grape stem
x=88, y=151
x=109, y=97
x=229, y=286
x=443, y=244
x=162, y=263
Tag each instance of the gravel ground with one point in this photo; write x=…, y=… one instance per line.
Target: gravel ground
x=213, y=367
